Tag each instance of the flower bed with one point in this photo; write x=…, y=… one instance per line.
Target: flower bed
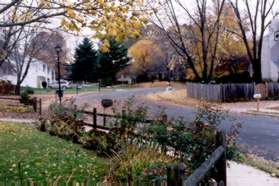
x=173, y=140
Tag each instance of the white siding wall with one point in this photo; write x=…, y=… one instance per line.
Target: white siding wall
x=270, y=70
x=37, y=73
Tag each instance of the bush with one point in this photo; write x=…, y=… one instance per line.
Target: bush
x=6, y=87
x=24, y=97
x=191, y=142
x=233, y=153
x=104, y=144
x=65, y=111
x=132, y=164
x=29, y=90
x=63, y=121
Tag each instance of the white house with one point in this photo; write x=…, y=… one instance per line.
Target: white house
x=270, y=53
x=37, y=73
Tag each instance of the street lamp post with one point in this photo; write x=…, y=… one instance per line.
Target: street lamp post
x=60, y=92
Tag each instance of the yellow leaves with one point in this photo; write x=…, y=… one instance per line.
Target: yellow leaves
x=106, y=19
x=69, y=25
x=105, y=46
x=71, y=13
x=44, y=3
x=144, y=53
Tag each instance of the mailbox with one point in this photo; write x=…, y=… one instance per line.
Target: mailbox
x=106, y=103
x=276, y=36
x=257, y=96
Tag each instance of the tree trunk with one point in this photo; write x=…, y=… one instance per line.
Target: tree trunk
x=17, y=89
x=257, y=71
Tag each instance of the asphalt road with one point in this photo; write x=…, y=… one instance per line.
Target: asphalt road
x=259, y=134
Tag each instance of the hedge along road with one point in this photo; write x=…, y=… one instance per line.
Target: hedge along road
x=258, y=135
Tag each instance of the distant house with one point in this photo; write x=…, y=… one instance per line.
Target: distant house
x=270, y=53
x=37, y=73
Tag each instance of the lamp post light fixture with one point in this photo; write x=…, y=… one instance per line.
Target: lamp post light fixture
x=58, y=50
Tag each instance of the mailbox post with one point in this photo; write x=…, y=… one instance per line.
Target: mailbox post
x=258, y=97
x=106, y=103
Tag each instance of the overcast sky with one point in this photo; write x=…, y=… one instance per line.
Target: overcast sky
x=73, y=41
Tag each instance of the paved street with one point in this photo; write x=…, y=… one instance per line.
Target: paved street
x=259, y=133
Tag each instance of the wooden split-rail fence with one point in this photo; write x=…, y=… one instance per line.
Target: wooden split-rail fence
x=211, y=172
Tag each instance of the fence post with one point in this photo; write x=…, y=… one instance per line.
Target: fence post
x=175, y=174
x=170, y=176
x=104, y=120
x=75, y=111
x=40, y=103
x=221, y=165
x=123, y=115
x=94, y=118
x=35, y=104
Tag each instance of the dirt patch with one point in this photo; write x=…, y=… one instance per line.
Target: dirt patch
x=176, y=96
x=47, y=99
x=176, y=85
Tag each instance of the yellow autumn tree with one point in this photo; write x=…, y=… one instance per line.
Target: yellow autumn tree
x=113, y=18
x=146, y=58
x=229, y=46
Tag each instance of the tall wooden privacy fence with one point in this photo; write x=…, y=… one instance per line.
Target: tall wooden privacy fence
x=231, y=92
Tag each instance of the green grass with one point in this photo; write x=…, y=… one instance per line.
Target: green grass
x=73, y=90
x=27, y=153
x=66, y=91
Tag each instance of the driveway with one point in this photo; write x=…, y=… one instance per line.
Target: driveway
x=259, y=134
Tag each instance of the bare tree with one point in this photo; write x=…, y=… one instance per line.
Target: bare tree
x=259, y=13
x=48, y=54
x=199, y=28
x=23, y=54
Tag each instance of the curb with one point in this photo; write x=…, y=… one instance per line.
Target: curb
x=261, y=113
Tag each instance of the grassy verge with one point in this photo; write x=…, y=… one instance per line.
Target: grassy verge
x=235, y=154
x=26, y=153
x=262, y=164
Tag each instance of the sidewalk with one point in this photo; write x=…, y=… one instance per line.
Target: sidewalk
x=15, y=120
x=179, y=97
x=243, y=175
x=266, y=107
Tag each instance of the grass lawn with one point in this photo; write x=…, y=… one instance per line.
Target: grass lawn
x=66, y=91
x=27, y=153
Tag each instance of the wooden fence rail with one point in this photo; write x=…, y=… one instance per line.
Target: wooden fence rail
x=94, y=114
x=216, y=161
